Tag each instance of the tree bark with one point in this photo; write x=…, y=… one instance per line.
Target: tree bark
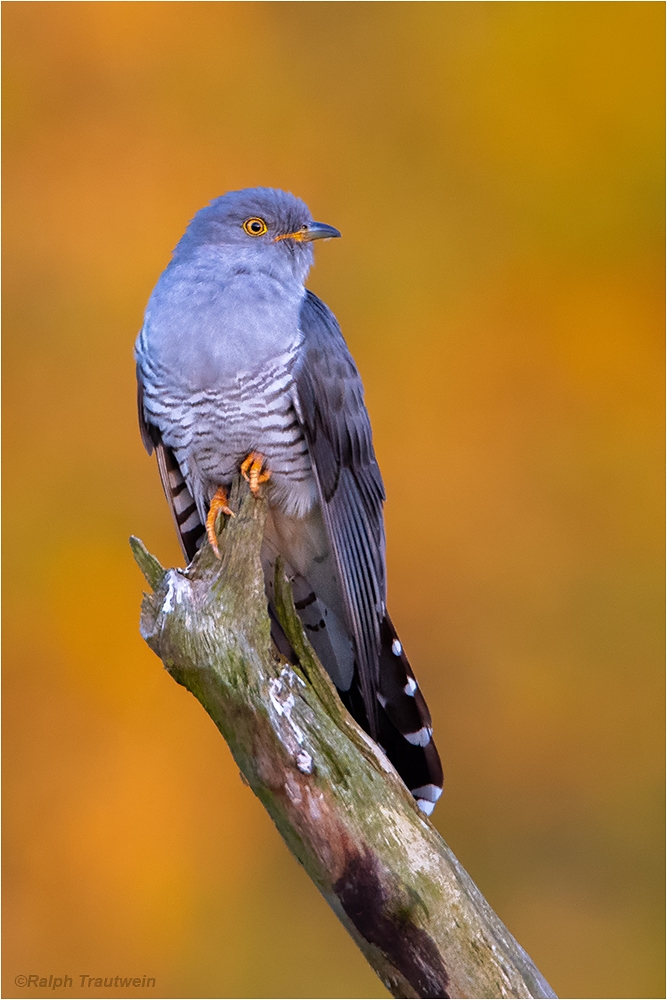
x=336, y=800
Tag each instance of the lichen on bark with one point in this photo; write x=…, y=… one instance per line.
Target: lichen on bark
x=336, y=800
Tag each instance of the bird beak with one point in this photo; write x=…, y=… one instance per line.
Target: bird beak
x=311, y=231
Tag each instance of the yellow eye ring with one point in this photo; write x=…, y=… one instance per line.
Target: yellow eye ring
x=255, y=226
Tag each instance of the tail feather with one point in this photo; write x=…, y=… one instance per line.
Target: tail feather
x=399, y=692
x=404, y=721
x=418, y=766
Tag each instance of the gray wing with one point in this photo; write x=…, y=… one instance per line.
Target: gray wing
x=329, y=400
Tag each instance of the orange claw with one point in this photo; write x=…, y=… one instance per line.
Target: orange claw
x=218, y=503
x=253, y=471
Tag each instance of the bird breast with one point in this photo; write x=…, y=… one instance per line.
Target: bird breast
x=222, y=387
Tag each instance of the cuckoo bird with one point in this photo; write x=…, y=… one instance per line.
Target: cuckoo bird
x=241, y=369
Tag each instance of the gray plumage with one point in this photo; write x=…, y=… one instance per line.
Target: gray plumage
x=236, y=356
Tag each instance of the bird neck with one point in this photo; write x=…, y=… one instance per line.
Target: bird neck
x=222, y=263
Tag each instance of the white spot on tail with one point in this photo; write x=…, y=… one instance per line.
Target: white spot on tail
x=396, y=647
x=425, y=806
x=411, y=687
x=429, y=792
x=420, y=738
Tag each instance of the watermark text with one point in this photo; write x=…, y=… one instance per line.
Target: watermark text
x=85, y=981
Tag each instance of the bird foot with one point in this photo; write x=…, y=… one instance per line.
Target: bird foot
x=254, y=472
x=218, y=504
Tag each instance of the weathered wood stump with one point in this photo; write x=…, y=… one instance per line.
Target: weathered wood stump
x=338, y=803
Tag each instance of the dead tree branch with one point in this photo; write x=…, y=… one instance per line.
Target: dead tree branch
x=339, y=805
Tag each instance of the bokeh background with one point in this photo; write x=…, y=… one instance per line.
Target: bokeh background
x=497, y=172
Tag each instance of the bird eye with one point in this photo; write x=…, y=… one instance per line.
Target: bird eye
x=255, y=227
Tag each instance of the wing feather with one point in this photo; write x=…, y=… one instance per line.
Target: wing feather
x=329, y=400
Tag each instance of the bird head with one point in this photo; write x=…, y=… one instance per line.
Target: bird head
x=258, y=229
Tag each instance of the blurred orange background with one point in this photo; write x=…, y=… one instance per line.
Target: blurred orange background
x=497, y=172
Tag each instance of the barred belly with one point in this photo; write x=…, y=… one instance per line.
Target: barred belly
x=211, y=432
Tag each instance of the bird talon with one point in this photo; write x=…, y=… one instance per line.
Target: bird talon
x=218, y=506
x=253, y=471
